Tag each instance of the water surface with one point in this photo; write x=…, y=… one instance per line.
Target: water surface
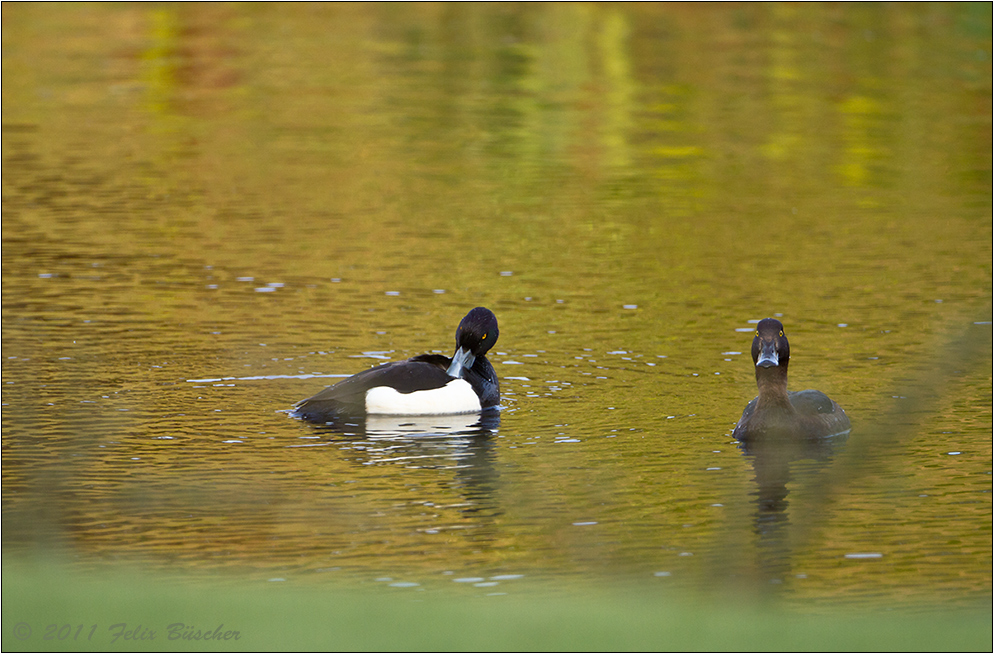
x=212, y=211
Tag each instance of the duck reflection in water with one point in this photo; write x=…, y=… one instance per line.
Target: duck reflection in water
x=776, y=465
x=459, y=448
x=778, y=429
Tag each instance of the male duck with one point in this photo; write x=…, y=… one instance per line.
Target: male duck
x=777, y=412
x=428, y=384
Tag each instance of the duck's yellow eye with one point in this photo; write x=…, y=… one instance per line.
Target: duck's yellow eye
x=781, y=332
x=483, y=338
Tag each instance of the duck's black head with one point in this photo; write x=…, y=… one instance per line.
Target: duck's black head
x=477, y=332
x=770, y=348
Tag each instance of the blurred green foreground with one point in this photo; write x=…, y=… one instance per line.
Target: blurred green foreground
x=52, y=608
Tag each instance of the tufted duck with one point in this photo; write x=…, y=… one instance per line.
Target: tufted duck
x=428, y=384
x=778, y=412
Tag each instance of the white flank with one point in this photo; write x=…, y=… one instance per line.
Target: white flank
x=455, y=397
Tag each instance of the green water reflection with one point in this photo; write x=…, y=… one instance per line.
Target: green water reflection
x=206, y=205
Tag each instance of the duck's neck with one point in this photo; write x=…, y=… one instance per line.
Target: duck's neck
x=772, y=383
x=483, y=368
